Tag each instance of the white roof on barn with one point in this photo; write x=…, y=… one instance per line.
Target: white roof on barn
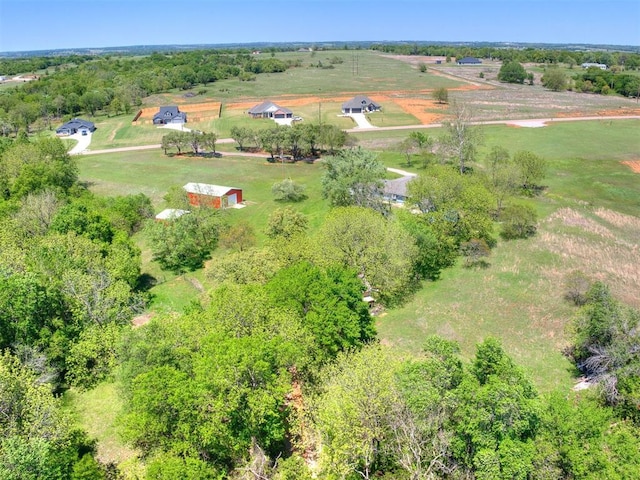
x=171, y=214
x=207, y=189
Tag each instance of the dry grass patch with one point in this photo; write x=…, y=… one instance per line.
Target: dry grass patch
x=602, y=247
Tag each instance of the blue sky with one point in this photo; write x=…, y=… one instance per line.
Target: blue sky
x=47, y=24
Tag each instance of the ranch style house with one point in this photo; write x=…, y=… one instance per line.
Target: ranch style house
x=268, y=109
x=360, y=104
x=76, y=125
x=469, y=61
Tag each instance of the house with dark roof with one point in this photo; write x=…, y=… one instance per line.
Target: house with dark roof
x=76, y=125
x=360, y=104
x=268, y=109
x=469, y=61
x=169, y=115
x=396, y=190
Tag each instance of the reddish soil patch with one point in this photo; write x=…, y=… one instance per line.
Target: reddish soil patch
x=418, y=108
x=634, y=165
x=622, y=111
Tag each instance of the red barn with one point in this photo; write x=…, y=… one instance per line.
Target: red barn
x=215, y=196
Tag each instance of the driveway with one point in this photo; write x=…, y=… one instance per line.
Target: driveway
x=83, y=143
x=283, y=121
x=361, y=120
x=176, y=126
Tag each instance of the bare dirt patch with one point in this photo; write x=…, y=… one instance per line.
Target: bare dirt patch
x=142, y=319
x=634, y=165
x=421, y=109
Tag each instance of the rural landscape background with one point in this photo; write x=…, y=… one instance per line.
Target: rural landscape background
x=481, y=322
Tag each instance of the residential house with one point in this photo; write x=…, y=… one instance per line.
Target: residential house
x=395, y=191
x=77, y=125
x=469, y=61
x=360, y=104
x=268, y=109
x=169, y=115
x=214, y=196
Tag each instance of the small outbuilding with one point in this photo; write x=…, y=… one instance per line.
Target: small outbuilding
x=268, y=109
x=214, y=196
x=169, y=115
x=469, y=61
x=169, y=214
x=360, y=104
x=77, y=125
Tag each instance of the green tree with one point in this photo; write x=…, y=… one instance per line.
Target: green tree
x=288, y=191
x=351, y=413
x=37, y=439
x=379, y=250
x=186, y=242
x=441, y=95
x=239, y=236
x=496, y=418
x=503, y=176
x=329, y=302
x=533, y=170
x=425, y=145
x=456, y=206
x=354, y=177
x=242, y=136
x=286, y=223
x=462, y=138
x=555, y=79
x=512, y=72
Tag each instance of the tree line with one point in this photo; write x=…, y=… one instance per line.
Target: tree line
x=113, y=85
x=628, y=60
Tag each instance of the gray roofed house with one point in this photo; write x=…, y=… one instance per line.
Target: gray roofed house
x=169, y=115
x=469, y=61
x=396, y=190
x=76, y=125
x=360, y=104
x=268, y=109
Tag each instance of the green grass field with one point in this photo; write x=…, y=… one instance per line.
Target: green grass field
x=361, y=71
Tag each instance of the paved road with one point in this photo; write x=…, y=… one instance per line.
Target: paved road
x=520, y=122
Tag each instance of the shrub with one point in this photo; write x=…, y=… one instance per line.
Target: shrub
x=519, y=221
x=288, y=191
x=474, y=251
x=576, y=286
